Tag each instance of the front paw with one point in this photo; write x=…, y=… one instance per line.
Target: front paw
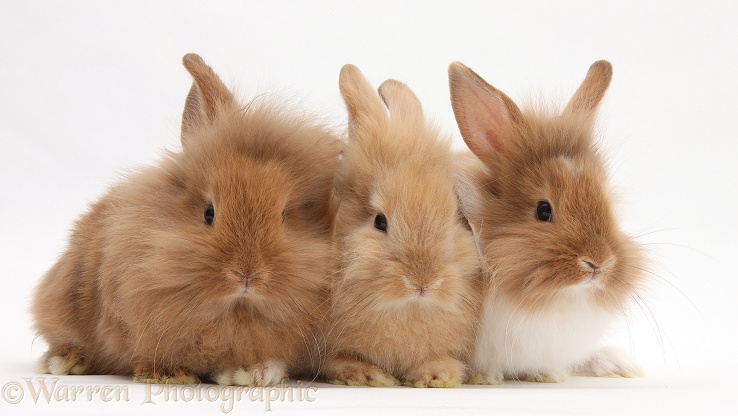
x=609, y=362
x=352, y=372
x=268, y=373
x=158, y=375
x=545, y=377
x=485, y=379
x=446, y=372
x=63, y=361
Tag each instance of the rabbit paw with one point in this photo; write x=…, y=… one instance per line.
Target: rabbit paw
x=69, y=360
x=446, y=372
x=158, y=375
x=545, y=377
x=263, y=374
x=485, y=379
x=609, y=362
x=357, y=373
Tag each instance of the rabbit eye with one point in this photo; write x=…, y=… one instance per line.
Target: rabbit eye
x=380, y=222
x=544, y=212
x=209, y=214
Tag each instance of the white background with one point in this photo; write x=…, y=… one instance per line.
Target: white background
x=91, y=89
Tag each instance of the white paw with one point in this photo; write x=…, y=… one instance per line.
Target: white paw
x=224, y=378
x=42, y=367
x=273, y=372
x=609, y=362
x=59, y=366
x=263, y=374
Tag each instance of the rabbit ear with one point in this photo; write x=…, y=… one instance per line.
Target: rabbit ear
x=207, y=96
x=484, y=114
x=593, y=88
x=364, y=107
x=402, y=103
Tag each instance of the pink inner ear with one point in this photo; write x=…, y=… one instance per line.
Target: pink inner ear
x=488, y=139
x=489, y=117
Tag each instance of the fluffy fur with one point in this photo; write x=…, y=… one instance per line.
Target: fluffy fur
x=148, y=288
x=552, y=287
x=405, y=300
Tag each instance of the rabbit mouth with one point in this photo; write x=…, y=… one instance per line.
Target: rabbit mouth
x=246, y=283
x=593, y=280
x=421, y=291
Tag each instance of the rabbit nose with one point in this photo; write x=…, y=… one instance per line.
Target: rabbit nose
x=244, y=278
x=588, y=264
x=422, y=290
x=602, y=263
x=591, y=268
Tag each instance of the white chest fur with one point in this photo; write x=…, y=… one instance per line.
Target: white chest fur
x=517, y=343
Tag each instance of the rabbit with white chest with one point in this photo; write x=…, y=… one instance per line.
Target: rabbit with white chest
x=558, y=267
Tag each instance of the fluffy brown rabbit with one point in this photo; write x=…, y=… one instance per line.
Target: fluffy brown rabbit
x=559, y=268
x=210, y=264
x=404, y=303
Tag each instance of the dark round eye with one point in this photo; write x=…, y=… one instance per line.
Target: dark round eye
x=380, y=222
x=544, y=212
x=209, y=214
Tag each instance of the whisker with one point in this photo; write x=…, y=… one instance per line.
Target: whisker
x=673, y=286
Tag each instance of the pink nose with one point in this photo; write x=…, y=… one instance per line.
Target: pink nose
x=591, y=265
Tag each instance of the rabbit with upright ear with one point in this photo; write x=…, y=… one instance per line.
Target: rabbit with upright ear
x=405, y=299
x=210, y=264
x=558, y=267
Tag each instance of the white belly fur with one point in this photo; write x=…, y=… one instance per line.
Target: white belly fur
x=515, y=343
